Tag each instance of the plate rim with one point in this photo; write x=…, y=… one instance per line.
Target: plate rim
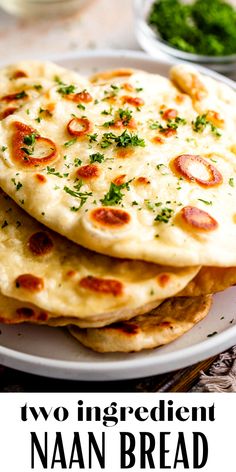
x=128, y=368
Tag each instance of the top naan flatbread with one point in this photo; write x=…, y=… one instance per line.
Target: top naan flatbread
x=128, y=168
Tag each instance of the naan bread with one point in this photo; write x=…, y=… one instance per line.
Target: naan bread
x=210, y=280
x=128, y=169
x=27, y=80
x=164, y=324
x=43, y=268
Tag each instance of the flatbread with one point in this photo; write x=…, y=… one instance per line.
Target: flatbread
x=14, y=312
x=43, y=268
x=210, y=280
x=164, y=324
x=146, y=190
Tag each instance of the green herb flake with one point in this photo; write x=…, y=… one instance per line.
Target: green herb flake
x=4, y=148
x=92, y=137
x=18, y=185
x=231, y=182
x=70, y=142
x=205, y=201
x=114, y=195
x=96, y=157
x=20, y=95
x=66, y=89
x=81, y=106
x=164, y=215
x=77, y=162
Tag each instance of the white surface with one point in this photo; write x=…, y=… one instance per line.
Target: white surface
x=53, y=352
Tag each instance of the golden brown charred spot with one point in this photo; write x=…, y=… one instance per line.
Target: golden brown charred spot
x=40, y=243
x=81, y=97
x=110, y=217
x=107, y=75
x=119, y=180
x=118, y=124
x=29, y=282
x=79, y=127
x=180, y=98
x=182, y=166
x=158, y=140
x=215, y=118
x=20, y=131
x=163, y=280
x=126, y=328
x=198, y=219
x=19, y=74
x=14, y=97
x=128, y=87
x=41, y=178
x=134, y=101
x=91, y=171
x=71, y=273
x=42, y=316
x=170, y=114
x=25, y=312
x=99, y=285
x=142, y=181
x=169, y=132
x=7, y=112
x=124, y=152
x=165, y=324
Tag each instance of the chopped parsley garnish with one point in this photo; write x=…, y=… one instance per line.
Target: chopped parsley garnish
x=202, y=122
x=77, y=162
x=67, y=89
x=18, y=185
x=231, y=182
x=164, y=215
x=107, y=140
x=96, y=157
x=20, y=95
x=29, y=139
x=108, y=123
x=139, y=89
x=77, y=194
x=205, y=201
x=114, y=195
x=81, y=106
x=38, y=87
x=52, y=171
x=125, y=115
x=70, y=142
x=3, y=148
x=92, y=137
x=171, y=124
x=124, y=140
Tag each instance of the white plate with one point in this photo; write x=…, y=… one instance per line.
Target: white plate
x=53, y=352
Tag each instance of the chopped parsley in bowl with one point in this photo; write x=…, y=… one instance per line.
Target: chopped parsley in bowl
x=199, y=31
x=205, y=27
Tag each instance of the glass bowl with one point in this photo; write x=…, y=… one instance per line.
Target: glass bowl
x=156, y=47
x=42, y=8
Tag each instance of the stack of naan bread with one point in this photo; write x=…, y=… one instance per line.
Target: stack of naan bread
x=117, y=203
